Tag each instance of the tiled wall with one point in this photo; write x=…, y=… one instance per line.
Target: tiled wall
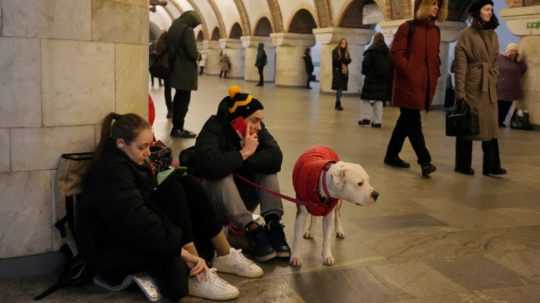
x=64, y=65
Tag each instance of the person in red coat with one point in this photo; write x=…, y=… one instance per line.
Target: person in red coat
x=415, y=55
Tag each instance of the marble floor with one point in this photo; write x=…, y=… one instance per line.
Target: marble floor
x=448, y=239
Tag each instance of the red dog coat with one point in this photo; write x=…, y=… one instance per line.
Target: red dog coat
x=306, y=174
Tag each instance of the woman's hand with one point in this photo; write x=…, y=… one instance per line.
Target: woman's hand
x=196, y=264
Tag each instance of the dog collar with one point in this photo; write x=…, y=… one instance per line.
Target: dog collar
x=324, y=185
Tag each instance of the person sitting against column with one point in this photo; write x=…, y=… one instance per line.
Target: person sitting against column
x=235, y=142
x=509, y=86
x=377, y=68
x=158, y=229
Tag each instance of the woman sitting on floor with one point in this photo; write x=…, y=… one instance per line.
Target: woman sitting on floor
x=161, y=230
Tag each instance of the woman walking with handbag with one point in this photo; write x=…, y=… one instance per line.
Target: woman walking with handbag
x=476, y=86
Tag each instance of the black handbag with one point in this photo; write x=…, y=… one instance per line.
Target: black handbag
x=520, y=120
x=462, y=121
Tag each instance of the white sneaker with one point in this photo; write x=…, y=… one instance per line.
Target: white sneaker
x=212, y=287
x=236, y=263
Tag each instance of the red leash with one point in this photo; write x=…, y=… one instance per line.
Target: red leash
x=273, y=193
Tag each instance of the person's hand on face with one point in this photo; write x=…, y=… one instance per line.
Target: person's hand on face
x=251, y=142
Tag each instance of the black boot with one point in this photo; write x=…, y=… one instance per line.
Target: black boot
x=463, y=156
x=427, y=169
x=491, y=164
x=338, y=106
x=259, y=244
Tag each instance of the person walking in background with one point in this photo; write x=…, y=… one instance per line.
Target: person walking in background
x=509, y=86
x=183, y=56
x=260, y=63
x=225, y=63
x=377, y=68
x=415, y=55
x=308, y=62
x=476, y=85
x=340, y=71
x=163, y=58
x=202, y=63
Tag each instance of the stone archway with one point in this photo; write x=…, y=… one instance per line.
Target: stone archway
x=244, y=17
x=216, y=35
x=353, y=15
x=236, y=31
x=302, y=23
x=263, y=28
x=324, y=12
x=277, y=16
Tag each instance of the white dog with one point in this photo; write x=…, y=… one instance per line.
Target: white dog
x=321, y=181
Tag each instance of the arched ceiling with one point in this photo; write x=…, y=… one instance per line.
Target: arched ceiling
x=223, y=14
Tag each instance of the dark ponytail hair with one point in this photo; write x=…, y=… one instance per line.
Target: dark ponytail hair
x=116, y=126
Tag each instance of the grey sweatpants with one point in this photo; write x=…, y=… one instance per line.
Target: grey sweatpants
x=230, y=206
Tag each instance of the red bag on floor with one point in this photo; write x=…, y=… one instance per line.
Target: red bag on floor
x=151, y=110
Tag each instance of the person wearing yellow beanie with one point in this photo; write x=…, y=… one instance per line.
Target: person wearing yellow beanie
x=235, y=142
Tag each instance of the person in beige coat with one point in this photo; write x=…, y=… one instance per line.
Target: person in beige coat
x=476, y=74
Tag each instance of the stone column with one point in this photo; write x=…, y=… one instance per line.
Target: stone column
x=389, y=29
x=233, y=48
x=525, y=23
x=449, y=33
x=290, y=68
x=64, y=66
x=329, y=38
x=250, y=44
x=212, y=60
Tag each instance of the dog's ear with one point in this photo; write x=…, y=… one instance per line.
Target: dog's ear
x=338, y=176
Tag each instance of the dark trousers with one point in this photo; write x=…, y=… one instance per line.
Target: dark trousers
x=339, y=94
x=504, y=107
x=491, y=160
x=261, y=74
x=408, y=125
x=181, y=200
x=180, y=108
x=308, y=81
x=167, y=91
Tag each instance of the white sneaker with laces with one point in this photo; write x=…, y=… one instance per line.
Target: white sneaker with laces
x=236, y=263
x=212, y=287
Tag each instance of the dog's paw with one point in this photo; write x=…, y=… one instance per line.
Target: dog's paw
x=295, y=261
x=340, y=235
x=308, y=235
x=329, y=260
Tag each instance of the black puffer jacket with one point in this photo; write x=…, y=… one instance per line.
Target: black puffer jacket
x=120, y=194
x=217, y=150
x=377, y=68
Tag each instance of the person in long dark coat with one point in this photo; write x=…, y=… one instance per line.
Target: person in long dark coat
x=377, y=68
x=415, y=55
x=183, y=56
x=260, y=63
x=476, y=84
x=340, y=71
x=308, y=63
x=140, y=226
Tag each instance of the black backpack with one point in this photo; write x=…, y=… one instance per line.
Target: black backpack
x=76, y=235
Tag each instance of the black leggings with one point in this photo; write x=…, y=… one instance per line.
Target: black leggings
x=186, y=204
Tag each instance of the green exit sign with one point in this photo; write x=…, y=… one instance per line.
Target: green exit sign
x=535, y=24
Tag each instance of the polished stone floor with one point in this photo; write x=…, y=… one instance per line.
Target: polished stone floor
x=447, y=239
